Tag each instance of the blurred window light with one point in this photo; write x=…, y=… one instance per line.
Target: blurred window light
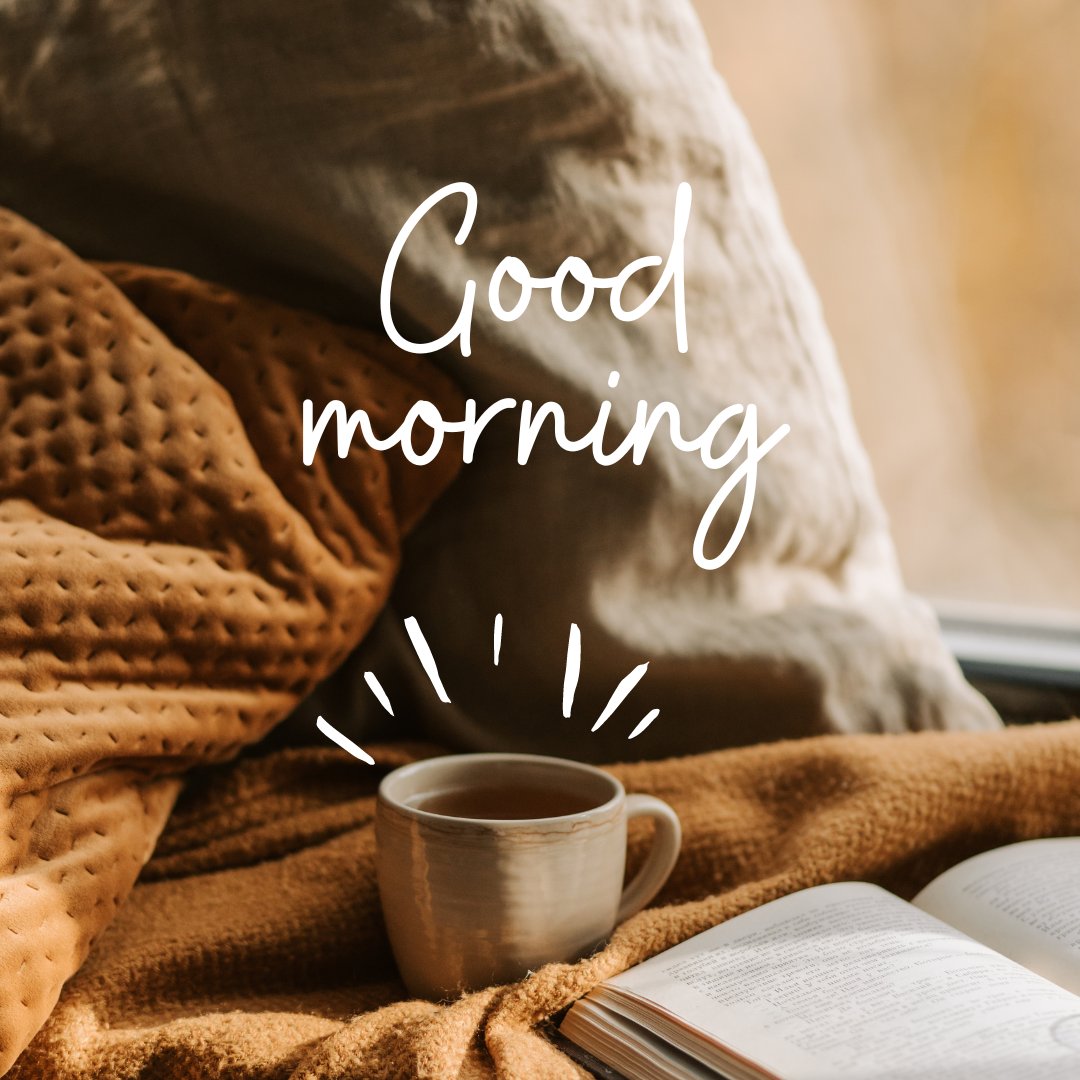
x=927, y=157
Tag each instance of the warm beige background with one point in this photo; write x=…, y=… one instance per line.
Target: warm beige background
x=927, y=157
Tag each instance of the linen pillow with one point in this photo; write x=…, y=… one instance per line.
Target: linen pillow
x=287, y=145
x=174, y=580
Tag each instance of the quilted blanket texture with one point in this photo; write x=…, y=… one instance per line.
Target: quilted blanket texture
x=172, y=578
x=252, y=948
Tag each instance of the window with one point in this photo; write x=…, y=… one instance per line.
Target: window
x=927, y=158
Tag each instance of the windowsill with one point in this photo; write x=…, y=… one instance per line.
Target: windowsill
x=1027, y=663
x=1023, y=646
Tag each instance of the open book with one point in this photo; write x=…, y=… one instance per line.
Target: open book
x=979, y=976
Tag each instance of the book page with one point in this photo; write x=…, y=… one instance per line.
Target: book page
x=848, y=980
x=1023, y=900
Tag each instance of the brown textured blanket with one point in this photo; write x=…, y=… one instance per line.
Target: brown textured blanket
x=172, y=579
x=252, y=948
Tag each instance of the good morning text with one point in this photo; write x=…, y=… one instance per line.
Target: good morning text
x=739, y=453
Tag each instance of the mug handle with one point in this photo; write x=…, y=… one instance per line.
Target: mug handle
x=661, y=858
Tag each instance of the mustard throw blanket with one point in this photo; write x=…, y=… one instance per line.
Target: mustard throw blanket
x=172, y=579
x=252, y=948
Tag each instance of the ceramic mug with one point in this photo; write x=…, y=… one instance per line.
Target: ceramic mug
x=472, y=901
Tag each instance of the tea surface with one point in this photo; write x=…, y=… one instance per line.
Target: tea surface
x=506, y=802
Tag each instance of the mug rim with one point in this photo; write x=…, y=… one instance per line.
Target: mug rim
x=403, y=772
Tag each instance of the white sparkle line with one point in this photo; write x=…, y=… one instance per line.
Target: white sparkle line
x=573, y=669
x=423, y=654
x=496, y=646
x=645, y=721
x=624, y=688
x=343, y=741
x=376, y=688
